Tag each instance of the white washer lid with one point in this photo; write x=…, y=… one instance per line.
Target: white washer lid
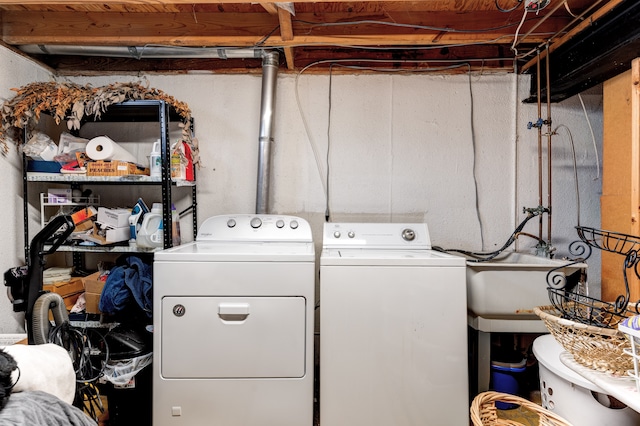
x=392, y=257
x=547, y=351
x=205, y=251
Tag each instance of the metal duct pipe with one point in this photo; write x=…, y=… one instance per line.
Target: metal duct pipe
x=143, y=52
x=270, y=63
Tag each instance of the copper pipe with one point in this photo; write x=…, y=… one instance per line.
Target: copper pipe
x=539, y=126
x=549, y=131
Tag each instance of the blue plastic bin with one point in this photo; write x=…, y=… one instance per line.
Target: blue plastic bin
x=505, y=379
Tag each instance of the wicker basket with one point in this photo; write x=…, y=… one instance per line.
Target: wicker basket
x=484, y=412
x=594, y=347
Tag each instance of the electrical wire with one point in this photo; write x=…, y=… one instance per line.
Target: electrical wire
x=593, y=138
x=575, y=169
x=327, y=214
x=341, y=62
x=515, y=37
x=566, y=6
x=508, y=10
x=473, y=148
x=401, y=25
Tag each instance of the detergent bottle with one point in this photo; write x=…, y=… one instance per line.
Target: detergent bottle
x=155, y=160
x=151, y=233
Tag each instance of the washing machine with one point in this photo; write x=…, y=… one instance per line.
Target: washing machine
x=393, y=331
x=233, y=324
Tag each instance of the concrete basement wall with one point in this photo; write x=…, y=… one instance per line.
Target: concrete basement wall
x=401, y=149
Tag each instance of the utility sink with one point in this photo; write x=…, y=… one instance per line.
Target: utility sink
x=512, y=284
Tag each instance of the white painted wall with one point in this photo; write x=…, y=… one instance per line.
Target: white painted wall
x=15, y=71
x=401, y=149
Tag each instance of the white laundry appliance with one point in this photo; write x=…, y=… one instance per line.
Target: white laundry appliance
x=393, y=328
x=233, y=325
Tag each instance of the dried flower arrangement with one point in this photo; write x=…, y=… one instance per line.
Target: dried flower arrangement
x=71, y=102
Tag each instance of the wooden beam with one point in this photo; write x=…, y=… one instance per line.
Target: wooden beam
x=244, y=29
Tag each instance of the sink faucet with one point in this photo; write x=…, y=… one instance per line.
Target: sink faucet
x=543, y=248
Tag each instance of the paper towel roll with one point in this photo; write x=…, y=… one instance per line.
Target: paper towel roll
x=103, y=148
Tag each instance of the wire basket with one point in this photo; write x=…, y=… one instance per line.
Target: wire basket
x=598, y=348
x=609, y=241
x=484, y=412
x=578, y=307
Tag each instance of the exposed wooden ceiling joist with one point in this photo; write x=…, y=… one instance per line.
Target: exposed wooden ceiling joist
x=398, y=34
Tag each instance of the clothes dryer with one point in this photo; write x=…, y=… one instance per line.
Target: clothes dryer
x=393, y=330
x=233, y=325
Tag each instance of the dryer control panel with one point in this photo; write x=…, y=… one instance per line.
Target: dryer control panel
x=377, y=235
x=255, y=227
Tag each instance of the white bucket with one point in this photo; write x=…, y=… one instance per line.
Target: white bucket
x=571, y=396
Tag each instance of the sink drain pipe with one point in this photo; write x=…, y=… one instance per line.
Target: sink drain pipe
x=270, y=63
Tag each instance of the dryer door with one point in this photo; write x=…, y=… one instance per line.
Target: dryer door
x=232, y=337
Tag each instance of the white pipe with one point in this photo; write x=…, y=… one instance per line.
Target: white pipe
x=270, y=64
x=143, y=52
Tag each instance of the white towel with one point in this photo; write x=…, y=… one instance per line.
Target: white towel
x=45, y=368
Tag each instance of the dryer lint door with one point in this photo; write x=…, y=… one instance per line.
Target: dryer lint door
x=232, y=337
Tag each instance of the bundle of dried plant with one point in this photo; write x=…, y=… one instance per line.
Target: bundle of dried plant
x=72, y=102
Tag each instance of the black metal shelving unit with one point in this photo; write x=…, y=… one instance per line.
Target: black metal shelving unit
x=130, y=111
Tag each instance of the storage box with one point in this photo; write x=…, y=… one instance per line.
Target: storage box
x=65, y=288
x=92, y=303
x=113, y=218
x=59, y=195
x=114, y=168
x=83, y=215
x=93, y=288
x=93, y=284
x=104, y=236
x=43, y=166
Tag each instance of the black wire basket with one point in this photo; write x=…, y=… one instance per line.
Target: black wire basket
x=609, y=241
x=572, y=301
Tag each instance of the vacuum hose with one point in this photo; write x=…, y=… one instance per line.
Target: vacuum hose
x=40, y=324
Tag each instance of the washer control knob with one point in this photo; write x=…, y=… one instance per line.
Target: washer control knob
x=351, y=234
x=408, y=234
x=231, y=223
x=280, y=223
x=336, y=234
x=294, y=224
x=256, y=222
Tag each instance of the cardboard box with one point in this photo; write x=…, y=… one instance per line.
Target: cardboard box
x=104, y=236
x=113, y=218
x=92, y=289
x=83, y=215
x=92, y=303
x=114, y=168
x=92, y=283
x=66, y=288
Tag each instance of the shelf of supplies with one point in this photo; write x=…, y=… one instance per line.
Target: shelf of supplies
x=74, y=178
x=101, y=249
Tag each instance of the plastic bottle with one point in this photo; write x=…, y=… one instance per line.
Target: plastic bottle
x=175, y=226
x=155, y=160
x=151, y=233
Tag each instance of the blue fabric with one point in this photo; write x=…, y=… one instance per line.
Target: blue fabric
x=133, y=280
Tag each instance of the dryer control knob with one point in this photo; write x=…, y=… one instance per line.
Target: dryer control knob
x=256, y=222
x=280, y=223
x=294, y=224
x=351, y=234
x=408, y=234
x=336, y=234
x=231, y=223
